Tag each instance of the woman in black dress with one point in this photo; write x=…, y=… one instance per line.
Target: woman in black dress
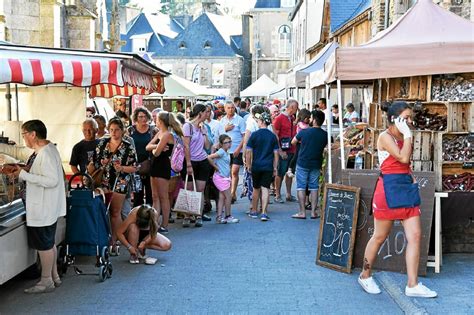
x=161, y=147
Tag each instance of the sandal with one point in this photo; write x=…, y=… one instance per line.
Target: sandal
x=57, y=282
x=298, y=216
x=40, y=288
x=317, y=216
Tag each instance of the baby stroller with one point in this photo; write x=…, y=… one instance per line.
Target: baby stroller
x=87, y=227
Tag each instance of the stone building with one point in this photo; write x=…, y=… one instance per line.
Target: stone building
x=77, y=24
x=208, y=51
x=270, y=38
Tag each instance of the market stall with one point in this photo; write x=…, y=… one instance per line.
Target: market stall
x=263, y=87
x=429, y=65
x=49, y=85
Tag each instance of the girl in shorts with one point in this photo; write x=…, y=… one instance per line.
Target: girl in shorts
x=141, y=228
x=221, y=178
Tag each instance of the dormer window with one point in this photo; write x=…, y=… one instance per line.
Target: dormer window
x=207, y=45
x=182, y=45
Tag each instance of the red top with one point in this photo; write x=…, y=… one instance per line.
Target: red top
x=379, y=203
x=284, y=127
x=392, y=166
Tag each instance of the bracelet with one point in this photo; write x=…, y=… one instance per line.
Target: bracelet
x=129, y=246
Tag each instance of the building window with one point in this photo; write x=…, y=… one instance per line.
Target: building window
x=207, y=45
x=139, y=44
x=284, y=40
x=217, y=74
x=287, y=3
x=182, y=45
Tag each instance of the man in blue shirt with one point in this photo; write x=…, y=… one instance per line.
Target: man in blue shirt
x=234, y=126
x=262, y=161
x=312, y=141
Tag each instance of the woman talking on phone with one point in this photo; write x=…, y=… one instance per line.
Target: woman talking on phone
x=396, y=197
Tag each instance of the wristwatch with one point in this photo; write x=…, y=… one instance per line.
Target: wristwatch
x=129, y=246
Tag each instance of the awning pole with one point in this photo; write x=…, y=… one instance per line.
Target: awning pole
x=8, y=97
x=16, y=102
x=161, y=103
x=329, y=129
x=341, y=131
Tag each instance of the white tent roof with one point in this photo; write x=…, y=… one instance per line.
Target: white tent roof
x=426, y=40
x=179, y=87
x=262, y=87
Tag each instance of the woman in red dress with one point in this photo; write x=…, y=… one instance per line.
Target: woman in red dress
x=394, y=149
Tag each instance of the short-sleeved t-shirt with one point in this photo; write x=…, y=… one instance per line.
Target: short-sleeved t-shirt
x=141, y=140
x=196, y=142
x=82, y=154
x=313, y=141
x=263, y=144
x=223, y=162
x=236, y=134
x=350, y=116
x=284, y=127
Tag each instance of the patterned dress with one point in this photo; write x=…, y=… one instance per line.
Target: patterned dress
x=125, y=153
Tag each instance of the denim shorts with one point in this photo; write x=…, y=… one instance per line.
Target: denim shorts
x=307, y=178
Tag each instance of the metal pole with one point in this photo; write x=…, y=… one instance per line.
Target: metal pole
x=16, y=102
x=329, y=129
x=8, y=96
x=339, y=101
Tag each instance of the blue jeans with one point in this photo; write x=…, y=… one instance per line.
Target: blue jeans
x=307, y=178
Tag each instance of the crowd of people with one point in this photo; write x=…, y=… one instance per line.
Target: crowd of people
x=207, y=147
x=143, y=166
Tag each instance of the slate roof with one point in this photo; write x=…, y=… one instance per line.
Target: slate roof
x=342, y=11
x=208, y=35
x=267, y=4
x=162, y=26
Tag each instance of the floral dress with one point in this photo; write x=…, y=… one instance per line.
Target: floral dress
x=125, y=153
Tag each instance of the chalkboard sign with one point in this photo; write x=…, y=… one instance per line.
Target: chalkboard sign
x=391, y=256
x=338, y=226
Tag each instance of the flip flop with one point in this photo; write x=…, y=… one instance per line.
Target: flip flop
x=297, y=216
x=315, y=217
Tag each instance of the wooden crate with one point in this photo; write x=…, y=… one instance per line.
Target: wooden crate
x=422, y=156
x=439, y=108
x=422, y=145
x=371, y=161
x=408, y=88
x=460, y=116
x=380, y=92
x=376, y=116
x=454, y=168
x=371, y=136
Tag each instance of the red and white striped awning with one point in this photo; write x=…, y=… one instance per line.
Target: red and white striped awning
x=110, y=90
x=39, y=69
x=108, y=74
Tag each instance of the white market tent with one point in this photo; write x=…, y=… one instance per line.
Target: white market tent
x=177, y=87
x=264, y=86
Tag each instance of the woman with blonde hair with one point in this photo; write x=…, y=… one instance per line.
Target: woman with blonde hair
x=161, y=147
x=141, y=228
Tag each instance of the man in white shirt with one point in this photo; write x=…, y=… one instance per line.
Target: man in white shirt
x=234, y=126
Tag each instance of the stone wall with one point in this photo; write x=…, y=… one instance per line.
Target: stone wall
x=22, y=22
x=265, y=33
x=232, y=71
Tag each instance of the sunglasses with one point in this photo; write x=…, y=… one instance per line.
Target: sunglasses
x=226, y=142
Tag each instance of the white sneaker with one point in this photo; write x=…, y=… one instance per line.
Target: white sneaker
x=369, y=285
x=231, y=219
x=420, y=291
x=150, y=261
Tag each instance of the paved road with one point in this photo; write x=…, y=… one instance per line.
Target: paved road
x=251, y=267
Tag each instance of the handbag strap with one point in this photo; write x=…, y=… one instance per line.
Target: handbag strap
x=186, y=182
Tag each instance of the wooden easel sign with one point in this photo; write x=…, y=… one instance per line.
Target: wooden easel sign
x=337, y=229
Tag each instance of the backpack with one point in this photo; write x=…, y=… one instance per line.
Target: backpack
x=177, y=156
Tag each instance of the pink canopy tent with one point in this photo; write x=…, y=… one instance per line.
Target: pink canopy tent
x=426, y=40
